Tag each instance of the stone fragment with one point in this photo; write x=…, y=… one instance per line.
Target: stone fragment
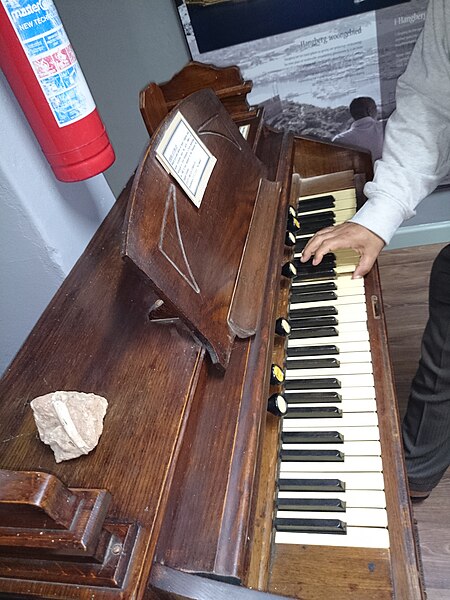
x=69, y=422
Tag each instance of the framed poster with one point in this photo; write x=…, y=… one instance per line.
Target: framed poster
x=308, y=59
x=221, y=23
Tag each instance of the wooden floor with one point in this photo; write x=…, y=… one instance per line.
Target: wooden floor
x=404, y=277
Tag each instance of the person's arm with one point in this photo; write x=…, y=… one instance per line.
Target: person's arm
x=416, y=152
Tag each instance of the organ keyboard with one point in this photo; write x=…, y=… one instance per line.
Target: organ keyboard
x=185, y=495
x=344, y=377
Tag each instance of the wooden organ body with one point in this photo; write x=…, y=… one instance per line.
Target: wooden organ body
x=178, y=499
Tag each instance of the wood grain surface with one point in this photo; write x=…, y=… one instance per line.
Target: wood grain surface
x=404, y=277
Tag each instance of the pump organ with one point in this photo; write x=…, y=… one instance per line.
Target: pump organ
x=196, y=490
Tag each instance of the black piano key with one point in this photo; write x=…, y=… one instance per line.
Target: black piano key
x=313, y=322
x=328, y=260
x=312, y=332
x=326, y=215
x=300, y=243
x=324, y=273
x=311, y=397
x=311, y=485
x=319, y=203
x=315, y=226
x=325, y=349
x=305, y=268
x=310, y=288
x=311, y=526
x=311, y=456
x=323, y=219
x=298, y=297
x=311, y=504
x=308, y=267
x=321, y=383
x=312, y=311
x=313, y=363
x=312, y=437
x=314, y=412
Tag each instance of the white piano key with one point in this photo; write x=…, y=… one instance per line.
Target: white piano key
x=348, y=206
x=345, y=316
x=351, y=419
x=344, y=215
x=344, y=313
x=343, y=282
x=351, y=464
x=353, y=481
x=338, y=195
x=344, y=253
x=357, y=299
x=345, y=267
x=346, y=337
x=341, y=290
x=344, y=204
x=353, y=517
x=356, y=537
x=342, y=369
x=350, y=434
x=361, y=448
x=364, y=405
x=340, y=214
x=345, y=347
x=347, y=290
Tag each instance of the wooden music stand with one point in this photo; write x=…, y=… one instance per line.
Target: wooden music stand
x=196, y=272
x=157, y=100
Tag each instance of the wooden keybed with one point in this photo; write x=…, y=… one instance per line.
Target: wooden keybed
x=178, y=495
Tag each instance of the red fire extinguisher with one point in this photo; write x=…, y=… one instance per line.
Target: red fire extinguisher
x=45, y=76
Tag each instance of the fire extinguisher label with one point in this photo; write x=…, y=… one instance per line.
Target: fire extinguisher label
x=47, y=47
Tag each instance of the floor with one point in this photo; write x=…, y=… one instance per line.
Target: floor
x=404, y=277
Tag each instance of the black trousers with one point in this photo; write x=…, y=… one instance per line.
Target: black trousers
x=426, y=426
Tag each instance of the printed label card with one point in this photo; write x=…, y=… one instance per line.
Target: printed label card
x=244, y=129
x=186, y=158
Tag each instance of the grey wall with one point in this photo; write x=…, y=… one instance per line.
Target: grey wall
x=45, y=224
x=121, y=47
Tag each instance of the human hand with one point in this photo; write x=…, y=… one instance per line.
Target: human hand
x=347, y=235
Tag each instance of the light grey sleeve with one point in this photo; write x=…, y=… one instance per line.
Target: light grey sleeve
x=416, y=151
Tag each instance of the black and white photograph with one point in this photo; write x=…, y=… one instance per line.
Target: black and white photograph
x=308, y=77
x=221, y=23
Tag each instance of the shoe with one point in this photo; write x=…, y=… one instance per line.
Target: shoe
x=418, y=496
